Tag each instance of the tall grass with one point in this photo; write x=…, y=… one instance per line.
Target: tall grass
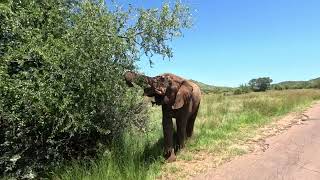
x=221, y=120
x=136, y=158
x=230, y=117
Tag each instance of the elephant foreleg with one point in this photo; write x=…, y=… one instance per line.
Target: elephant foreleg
x=167, y=126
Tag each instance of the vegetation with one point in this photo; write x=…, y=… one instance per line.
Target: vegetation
x=313, y=83
x=223, y=116
x=62, y=96
x=205, y=88
x=260, y=84
x=222, y=121
x=243, y=89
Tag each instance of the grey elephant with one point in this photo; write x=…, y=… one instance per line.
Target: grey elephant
x=179, y=98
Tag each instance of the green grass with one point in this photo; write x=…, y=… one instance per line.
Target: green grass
x=222, y=120
x=137, y=158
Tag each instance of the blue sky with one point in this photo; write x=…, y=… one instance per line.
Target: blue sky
x=233, y=41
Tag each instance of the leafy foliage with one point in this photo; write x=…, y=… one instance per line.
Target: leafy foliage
x=61, y=63
x=260, y=84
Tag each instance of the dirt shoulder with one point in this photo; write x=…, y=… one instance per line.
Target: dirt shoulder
x=287, y=149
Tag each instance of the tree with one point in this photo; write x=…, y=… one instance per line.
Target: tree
x=61, y=87
x=260, y=84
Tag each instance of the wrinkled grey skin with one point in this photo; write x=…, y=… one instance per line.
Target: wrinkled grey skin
x=179, y=98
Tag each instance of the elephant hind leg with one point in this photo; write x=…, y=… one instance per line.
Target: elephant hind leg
x=190, y=123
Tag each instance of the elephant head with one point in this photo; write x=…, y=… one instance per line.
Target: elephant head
x=147, y=83
x=173, y=90
x=168, y=89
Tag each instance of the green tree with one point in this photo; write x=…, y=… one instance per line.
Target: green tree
x=260, y=84
x=61, y=66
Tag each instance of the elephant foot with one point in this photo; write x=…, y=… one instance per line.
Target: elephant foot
x=170, y=156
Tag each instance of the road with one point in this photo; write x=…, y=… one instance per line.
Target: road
x=292, y=155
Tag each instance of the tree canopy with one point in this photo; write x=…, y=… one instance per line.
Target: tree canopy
x=260, y=84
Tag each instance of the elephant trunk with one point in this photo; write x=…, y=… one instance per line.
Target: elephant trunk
x=139, y=79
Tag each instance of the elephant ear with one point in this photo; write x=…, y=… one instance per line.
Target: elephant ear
x=183, y=95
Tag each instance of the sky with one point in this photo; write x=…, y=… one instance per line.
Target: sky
x=233, y=41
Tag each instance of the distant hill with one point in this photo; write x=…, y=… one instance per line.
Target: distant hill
x=315, y=80
x=212, y=89
x=313, y=83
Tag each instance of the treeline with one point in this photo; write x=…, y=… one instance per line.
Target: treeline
x=314, y=83
x=259, y=85
x=263, y=84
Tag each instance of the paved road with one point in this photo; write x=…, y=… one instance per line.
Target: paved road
x=292, y=155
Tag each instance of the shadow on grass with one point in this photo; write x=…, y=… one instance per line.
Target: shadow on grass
x=138, y=160
x=155, y=151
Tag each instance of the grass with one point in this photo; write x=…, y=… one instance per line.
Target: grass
x=221, y=122
x=223, y=118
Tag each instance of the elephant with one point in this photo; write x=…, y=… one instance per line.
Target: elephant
x=179, y=98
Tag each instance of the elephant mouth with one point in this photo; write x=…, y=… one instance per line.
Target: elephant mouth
x=158, y=100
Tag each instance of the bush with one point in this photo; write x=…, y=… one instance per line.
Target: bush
x=243, y=89
x=61, y=90
x=278, y=87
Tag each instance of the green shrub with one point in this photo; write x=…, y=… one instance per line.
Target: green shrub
x=61, y=90
x=278, y=87
x=243, y=89
x=61, y=98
